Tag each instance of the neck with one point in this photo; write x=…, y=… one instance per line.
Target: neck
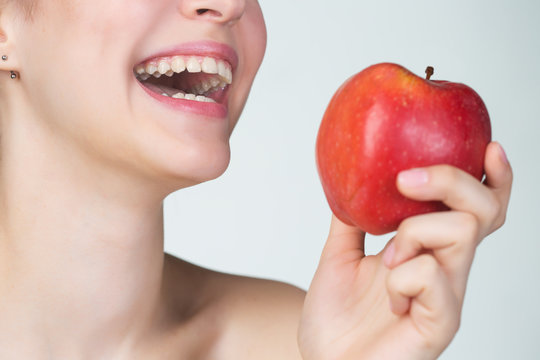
x=81, y=249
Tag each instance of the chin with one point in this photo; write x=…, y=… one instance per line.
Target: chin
x=196, y=165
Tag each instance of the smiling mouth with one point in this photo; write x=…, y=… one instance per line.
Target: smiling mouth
x=194, y=78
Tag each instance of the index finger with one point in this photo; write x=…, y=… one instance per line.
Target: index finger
x=461, y=191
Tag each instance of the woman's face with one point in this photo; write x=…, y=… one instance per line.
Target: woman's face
x=83, y=65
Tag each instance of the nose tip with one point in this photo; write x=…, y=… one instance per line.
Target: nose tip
x=219, y=11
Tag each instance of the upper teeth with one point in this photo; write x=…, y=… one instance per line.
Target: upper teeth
x=177, y=64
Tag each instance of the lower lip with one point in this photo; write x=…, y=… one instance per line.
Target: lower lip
x=215, y=110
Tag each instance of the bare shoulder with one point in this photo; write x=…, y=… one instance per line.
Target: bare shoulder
x=263, y=319
x=258, y=318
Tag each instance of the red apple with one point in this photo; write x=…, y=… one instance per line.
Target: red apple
x=386, y=119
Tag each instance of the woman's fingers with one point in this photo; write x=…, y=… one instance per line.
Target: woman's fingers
x=461, y=191
x=421, y=287
x=499, y=177
x=456, y=188
x=450, y=236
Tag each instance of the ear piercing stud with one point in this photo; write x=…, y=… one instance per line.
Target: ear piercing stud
x=13, y=74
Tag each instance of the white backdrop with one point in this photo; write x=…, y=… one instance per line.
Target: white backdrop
x=267, y=215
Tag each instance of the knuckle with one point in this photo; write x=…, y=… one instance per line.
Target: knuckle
x=470, y=225
x=500, y=221
x=406, y=229
x=493, y=207
x=449, y=173
x=495, y=213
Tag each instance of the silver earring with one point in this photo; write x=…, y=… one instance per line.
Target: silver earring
x=13, y=74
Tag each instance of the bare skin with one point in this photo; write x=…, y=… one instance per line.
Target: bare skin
x=87, y=158
x=82, y=269
x=250, y=318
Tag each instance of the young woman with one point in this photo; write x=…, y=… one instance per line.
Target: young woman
x=106, y=107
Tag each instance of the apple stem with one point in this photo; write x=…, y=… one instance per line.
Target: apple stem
x=429, y=72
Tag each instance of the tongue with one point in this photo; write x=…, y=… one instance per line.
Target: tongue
x=160, y=89
x=216, y=95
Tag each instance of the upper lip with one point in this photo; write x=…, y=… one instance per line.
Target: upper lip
x=199, y=48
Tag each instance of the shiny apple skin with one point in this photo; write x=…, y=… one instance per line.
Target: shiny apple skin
x=386, y=119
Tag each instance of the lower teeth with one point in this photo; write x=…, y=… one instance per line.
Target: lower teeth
x=182, y=95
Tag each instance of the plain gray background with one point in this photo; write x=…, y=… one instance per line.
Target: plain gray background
x=267, y=215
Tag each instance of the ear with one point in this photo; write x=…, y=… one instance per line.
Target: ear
x=8, y=20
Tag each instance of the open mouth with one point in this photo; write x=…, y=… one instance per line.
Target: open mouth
x=195, y=78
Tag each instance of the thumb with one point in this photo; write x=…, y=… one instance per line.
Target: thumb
x=343, y=239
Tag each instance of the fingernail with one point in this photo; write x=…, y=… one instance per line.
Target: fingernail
x=502, y=154
x=413, y=178
x=388, y=255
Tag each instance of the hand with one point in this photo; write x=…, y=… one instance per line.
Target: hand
x=405, y=302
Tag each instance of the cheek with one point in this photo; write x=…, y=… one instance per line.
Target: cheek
x=68, y=80
x=66, y=84
x=84, y=98
x=255, y=30
x=252, y=46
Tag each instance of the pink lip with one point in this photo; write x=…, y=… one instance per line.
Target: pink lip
x=214, y=110
x=200, y=48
